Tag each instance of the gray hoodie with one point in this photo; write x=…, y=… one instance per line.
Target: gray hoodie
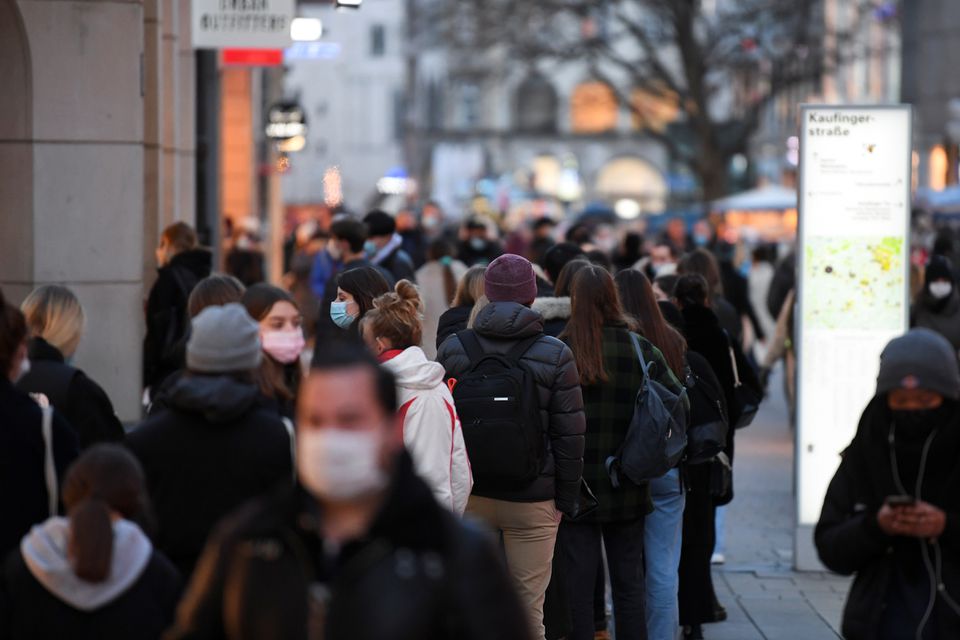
x=44, y=551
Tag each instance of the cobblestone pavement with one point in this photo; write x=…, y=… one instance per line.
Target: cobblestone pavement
x=764, y=597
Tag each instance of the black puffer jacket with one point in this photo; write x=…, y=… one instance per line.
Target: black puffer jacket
x=850, y=541
x=213, y=449
x=499, y=326
x=79, y=399
x=417, y=574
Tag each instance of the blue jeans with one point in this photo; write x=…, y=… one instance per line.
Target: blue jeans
x=662, y=538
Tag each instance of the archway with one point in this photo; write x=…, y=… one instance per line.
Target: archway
x=630, y=178
x=16, y=153
x=535, y=105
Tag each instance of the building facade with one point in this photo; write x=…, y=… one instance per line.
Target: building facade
x=97, y=155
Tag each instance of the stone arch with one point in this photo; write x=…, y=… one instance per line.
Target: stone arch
x=535, y=105
x=16, y=151
x=633, y=178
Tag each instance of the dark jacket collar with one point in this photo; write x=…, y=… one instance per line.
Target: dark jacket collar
x=196, y=261
x=39, y=350
x=220, y=399
x=508, y=320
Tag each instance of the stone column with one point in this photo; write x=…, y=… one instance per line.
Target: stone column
x=86, y=192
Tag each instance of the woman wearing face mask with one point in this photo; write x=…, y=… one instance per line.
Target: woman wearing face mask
x=23, y=448
x=356, y=290
x=938, y=305
x=56, y=321
x=892, y=512
x=393, y=330
x=95, y=574
x=281, y=337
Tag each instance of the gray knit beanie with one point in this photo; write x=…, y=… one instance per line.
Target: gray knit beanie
x=223, y=339
x=919, y=359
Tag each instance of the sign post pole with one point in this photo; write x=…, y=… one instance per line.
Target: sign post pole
x=853, y=283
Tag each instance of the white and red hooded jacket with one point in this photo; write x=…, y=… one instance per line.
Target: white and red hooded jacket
x=431, y=428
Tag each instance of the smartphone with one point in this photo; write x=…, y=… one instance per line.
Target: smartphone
x=901, y=501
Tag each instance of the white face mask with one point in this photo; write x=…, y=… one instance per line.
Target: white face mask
x=334, y=250
x=940, y=289
x=24, y=370
x=340, y=465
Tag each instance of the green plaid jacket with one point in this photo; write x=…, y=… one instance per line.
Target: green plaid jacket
x=609, y=407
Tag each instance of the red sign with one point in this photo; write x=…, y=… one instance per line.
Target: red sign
x=252, y=57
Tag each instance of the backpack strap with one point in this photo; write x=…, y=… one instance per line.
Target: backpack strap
x=49, y=465
x=471, y=345
x=518, y=350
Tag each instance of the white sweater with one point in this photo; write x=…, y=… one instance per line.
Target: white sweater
x=431, y=428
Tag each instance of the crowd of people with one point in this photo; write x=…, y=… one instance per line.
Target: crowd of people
x=444, y=435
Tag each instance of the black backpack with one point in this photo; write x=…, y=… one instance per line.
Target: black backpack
x=657, y=436
x=707, y=430
x=498, y=404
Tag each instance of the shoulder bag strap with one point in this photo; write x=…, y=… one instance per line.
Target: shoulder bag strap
x=639, y=350
x=49, y=466
x=471, y=345
x=736, y=371
x=291, y=432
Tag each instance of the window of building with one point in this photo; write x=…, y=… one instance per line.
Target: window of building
x=378, y=41
x=536, y=105
x=653, y=110
x=593, y=108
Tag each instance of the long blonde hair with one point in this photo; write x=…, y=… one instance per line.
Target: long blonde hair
x=470, y=288
x=54, y=314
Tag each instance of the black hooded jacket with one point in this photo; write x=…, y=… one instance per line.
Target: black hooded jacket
x=211, y=450
x=499, y=326
x=79, y=399
x=167, y=313
x=892, y=584
x=418, y=574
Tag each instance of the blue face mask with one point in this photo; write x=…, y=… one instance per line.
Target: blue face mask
x=339, y=315
x=370, y=247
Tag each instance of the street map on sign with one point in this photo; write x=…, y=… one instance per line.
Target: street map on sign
x=853, y=283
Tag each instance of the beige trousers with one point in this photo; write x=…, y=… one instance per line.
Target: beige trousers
x=529, y=533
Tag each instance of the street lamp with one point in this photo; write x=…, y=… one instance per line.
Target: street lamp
x=306, y=29
x=347, y=4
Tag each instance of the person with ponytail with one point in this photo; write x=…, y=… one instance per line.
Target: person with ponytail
x=393, y=331
x=438, y=280
x=28, y=477
x=281, y=337
x=95, y=573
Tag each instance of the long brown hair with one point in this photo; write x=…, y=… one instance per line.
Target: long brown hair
x=702, y=262
x=275, y=380
x=594, y=304
x=441, y=252
x=105, y=478
x=565, y=279
x=636, y=294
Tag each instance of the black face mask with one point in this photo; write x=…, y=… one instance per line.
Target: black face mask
x=916, y=425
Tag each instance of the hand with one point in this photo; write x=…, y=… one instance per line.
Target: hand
x=921, y=520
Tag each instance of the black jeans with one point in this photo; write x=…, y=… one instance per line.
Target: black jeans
x=580, y=543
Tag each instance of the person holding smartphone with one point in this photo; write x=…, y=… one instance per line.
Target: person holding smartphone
x=892, y=511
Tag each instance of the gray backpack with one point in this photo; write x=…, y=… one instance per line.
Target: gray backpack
x=657, y=436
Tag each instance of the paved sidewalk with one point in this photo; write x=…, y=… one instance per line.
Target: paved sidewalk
x=764, y=597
